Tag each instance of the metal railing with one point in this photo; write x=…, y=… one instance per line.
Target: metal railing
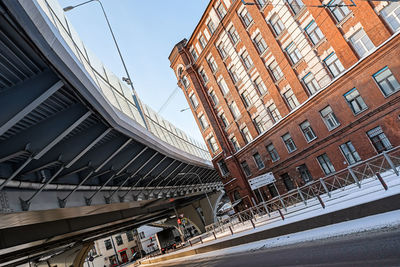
x=314, y=194
x=114, y=90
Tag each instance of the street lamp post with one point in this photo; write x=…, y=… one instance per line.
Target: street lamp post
x=198, y=176
x=127, y=79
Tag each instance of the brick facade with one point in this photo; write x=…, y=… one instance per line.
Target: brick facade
x=279, y=67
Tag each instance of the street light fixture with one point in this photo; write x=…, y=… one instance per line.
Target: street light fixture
x=127, y=79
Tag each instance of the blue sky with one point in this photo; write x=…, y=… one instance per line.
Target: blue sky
x=146, y=32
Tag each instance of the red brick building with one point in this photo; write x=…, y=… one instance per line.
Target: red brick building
x=297, y=88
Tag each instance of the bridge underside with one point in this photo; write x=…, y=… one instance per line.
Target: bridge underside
x=70, y=167
x=56, y=146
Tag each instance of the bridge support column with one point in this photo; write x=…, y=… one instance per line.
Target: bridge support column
x=74, y=257
x=192, y=211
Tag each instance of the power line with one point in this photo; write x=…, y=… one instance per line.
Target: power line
x=165, y=104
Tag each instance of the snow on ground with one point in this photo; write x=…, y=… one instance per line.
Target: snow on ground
x=371, y=190
x=374, y=222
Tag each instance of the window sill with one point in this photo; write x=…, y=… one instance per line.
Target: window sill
x=361, y=111
x=308, y=142
x=264, y=52
x=300, y=13
x=344, y=20
x=333, y=128
x=295, y=65
x=278, y=80
x=320, y=42
x=238, y=118
x=249, y=26
x=389, y=95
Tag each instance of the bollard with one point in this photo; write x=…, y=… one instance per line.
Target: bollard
x=190, y=242
x=381, y=180
x=280, y=213
x=230, y=228
x=214, y=235
x=201, y=240
x=252, y=223
x=321, y=202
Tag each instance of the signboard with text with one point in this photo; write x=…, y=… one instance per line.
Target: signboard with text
x=262, y=180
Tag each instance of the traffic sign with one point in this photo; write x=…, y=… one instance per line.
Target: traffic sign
x=262, y=180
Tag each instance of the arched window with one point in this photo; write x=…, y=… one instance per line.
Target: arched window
x=185, y=82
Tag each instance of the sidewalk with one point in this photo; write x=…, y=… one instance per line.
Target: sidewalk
x=371, y=199
x=385, y=222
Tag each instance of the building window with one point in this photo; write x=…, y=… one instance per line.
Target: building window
x=141, y=235
x=361, y=43
x=338, y=9
x=274, y=113
x=260, y=86
x=379, y=139
x=260, y=43
x=289, y=143
x=261, y=3
x=386, y=81
x=304, y=173
x=185, y=82
x=272, y=190
x=233, y=74
x=214, y=97
x=193, y=100
x=259, y=162
x=203, y=122
x=287, y=181
x=224, y=120
x=246, y=99
x=223, y=168
x=129, y=236
x=295, y=5
x=291, y=99
x=350, y=153
x=221, y=11
x=329, y=118
x=212, y=144
x=234, y=109
x=194, y=54
x=293, y=53
x=233, y=35
x=211, y=26
x=275, y=70
x=307, y=131
x=259, y=124
x=273, y=153
x=119, y=240
x=246, y=18
x=203, y=76
x=245, y=57
x=107, y=244
x=326, y=164
x=235, y=143
x=311, y=84
x=355, y=101
x=202, y=42
x=224, y=87
x=334, y=65
x=246, y=135
x=213, y=65
x=222, y=51
x=391, y=14
x=277, y=24
x=246, y=168
x=314, y=33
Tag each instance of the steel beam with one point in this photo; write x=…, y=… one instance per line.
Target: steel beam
x=46, y=148
x=166, y=177
x=29, y=108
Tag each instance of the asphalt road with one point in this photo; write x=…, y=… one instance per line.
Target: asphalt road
x=365, y=249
